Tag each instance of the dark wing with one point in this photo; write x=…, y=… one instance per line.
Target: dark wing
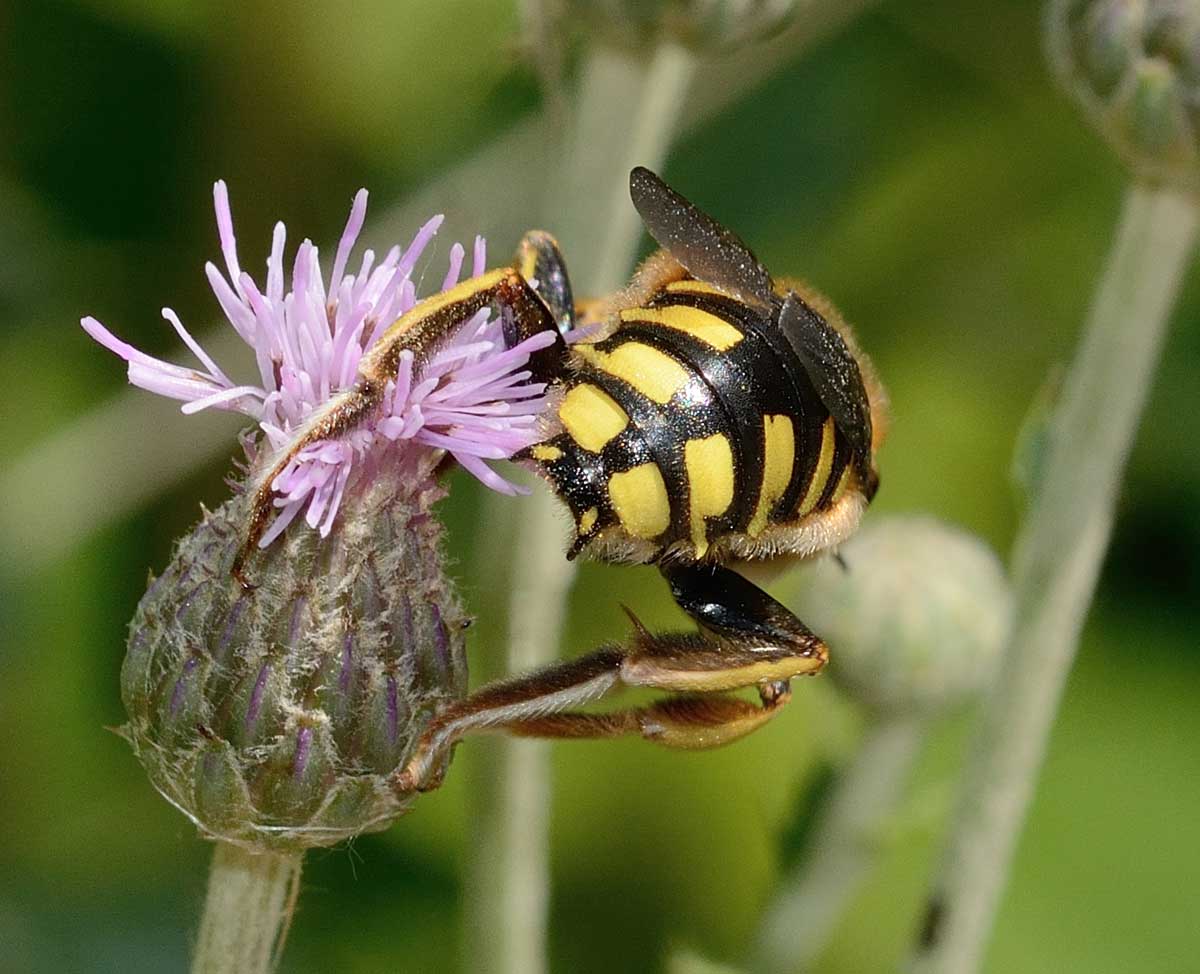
x=708, y=251
x=832, y=369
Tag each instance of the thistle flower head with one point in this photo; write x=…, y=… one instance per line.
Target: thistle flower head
x=1134, y=66
x=471, y=399
x=275, y=717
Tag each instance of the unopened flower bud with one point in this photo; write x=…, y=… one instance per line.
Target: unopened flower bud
x=916, y=619
x=273, y=717
x=1134, y=66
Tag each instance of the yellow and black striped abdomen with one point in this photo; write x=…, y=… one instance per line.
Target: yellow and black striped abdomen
x=693, y=421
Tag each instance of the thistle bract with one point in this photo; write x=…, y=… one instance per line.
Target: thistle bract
x=272, y=718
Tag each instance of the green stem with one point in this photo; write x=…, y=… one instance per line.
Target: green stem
x=844, y=847
x=1056, y=563
x=598, y=226
x=247, y=912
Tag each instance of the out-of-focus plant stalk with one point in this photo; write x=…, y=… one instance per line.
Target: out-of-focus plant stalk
x=843, y=848
x=586, y=208
x=916, y=621
x=628, y=114
x=251, y=896
x=1056, y=562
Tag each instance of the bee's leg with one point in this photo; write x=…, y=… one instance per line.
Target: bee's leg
x=747, y=639
x=341, y=413
x=419, y=331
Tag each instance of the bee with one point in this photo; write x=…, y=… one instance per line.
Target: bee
x=710, y=418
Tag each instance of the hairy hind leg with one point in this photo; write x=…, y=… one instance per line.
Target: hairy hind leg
x=746, y=639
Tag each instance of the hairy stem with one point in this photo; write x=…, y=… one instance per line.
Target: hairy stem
x=1056, y=562
x=843, y=849
x=247, y=910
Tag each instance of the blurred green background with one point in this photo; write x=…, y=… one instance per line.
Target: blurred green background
x=919, y=166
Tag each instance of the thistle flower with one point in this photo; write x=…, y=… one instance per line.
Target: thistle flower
x=470, y=400
x=273, y=718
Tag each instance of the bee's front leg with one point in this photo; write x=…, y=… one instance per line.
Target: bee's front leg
x=419, y=331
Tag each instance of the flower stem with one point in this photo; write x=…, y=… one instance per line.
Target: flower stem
x=598, y=225
x=844, y=846
x=251, y=897
x=1056, y=562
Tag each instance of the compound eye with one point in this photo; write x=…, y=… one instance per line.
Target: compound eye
x=706, y=249
x=541, y=263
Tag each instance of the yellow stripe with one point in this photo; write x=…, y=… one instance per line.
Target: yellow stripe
x=591, y=416
x=817, y=485
x=841, y=484
x=654, y=374
x=693, y=287
x=778, y=460
x=639, y=497
x=545, y=452
x=709, y=465
x=588, y=520
x=711, y=329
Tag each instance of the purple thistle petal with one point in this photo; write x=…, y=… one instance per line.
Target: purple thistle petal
x=472, y=399
x=456, y=261
x=275, y=263
x=225, y=398
x=487, y=476
x=479, y=262
x=213, y=369
x=358, y=213
x=225, y=229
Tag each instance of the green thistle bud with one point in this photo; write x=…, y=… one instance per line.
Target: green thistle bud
x=916, y=620
x=704, y=24
x=272, y=718
x=1134, y=66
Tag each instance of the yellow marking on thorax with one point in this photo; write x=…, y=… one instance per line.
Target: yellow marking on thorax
x=430, y=305
x=591, y=416
x=694, y=287
x=816, y=486
x=654, y=374
x=711, y=329
x=588, y=520
x=639, y=498
x=545, y=452
x=778, y=460
x=709, y=464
